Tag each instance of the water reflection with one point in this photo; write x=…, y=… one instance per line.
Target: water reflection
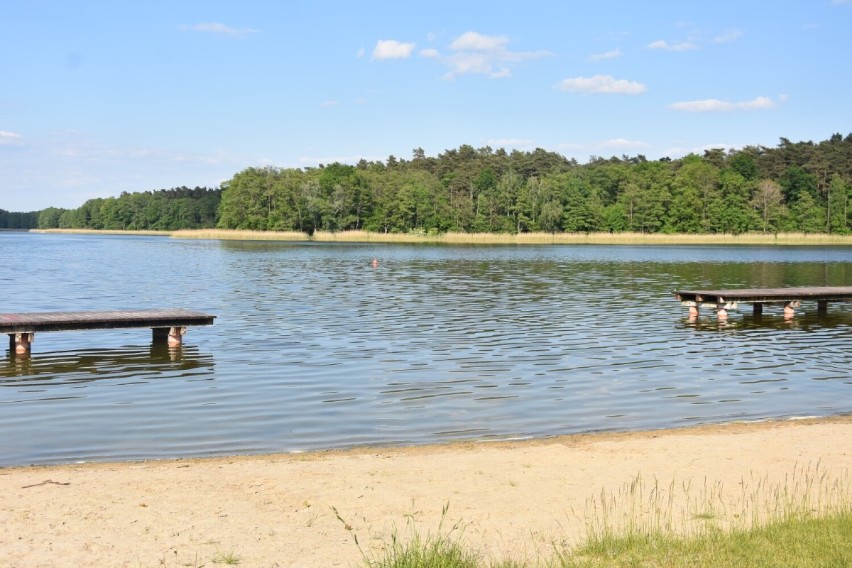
x=72, y=367
x=803, y=321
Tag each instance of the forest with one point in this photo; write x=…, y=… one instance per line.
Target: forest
x=795, y=186
x=161, y=210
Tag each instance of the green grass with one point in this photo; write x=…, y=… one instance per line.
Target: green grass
x=795, y=542
x=431, y=552
x=803, y=521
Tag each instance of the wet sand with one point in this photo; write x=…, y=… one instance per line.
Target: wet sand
x=512, y=499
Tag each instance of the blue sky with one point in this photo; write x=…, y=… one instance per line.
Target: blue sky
x=102, y=97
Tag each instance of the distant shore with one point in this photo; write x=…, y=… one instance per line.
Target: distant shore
x=753, y=239
x=511, y=499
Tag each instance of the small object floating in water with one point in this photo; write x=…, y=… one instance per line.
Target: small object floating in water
x=375, y=263
x=168, y=325
x=791, y=298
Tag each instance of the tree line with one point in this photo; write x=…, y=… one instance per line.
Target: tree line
x=161, y=210
x=13, y=220
x=795, y=186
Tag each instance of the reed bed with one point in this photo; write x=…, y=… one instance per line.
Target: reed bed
x=240, y=235
x=453, y=238
x=103, y=232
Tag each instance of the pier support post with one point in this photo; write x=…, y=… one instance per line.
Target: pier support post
x=176, y=336
x=757, y=309
x=21, y=343
x=790, y=308
x=822, y=307
x=173, y=336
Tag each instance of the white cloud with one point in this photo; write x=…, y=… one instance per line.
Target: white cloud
x=478, y=54
x=331, y=103
x=716, y=105
x=361, y=52
x=10, y=138
x=612, y=54
x=392, y=49
x=677, y=46
x=430, y=53
x=619, y=144
x=728, y=36
x=622, y=144
x=83, y=167
x=314, y=161
x=473, y=41
x=216, y=28
x=473, y=63
x=602, y=84
x=679, y=152
x=517, y=143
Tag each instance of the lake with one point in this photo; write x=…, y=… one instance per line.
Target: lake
x=313, y=348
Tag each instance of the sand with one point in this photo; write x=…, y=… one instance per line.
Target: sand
x=509, y=499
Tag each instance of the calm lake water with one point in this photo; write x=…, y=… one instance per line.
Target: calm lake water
x=313, y=348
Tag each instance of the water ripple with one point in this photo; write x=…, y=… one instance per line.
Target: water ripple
x=312, y=348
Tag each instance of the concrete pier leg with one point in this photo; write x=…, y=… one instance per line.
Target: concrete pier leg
x=822, y=307
x=757, y=309
x=176, y=336
x=21, y=343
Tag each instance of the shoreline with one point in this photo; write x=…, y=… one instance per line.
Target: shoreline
x=366, y=237
x=450, y=445
x=514, y=498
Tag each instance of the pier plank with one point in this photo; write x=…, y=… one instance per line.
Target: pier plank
x=168, y=324
x=723, y=300
x=111, y=319
x=747, y=295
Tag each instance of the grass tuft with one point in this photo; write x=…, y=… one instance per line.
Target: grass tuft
x=434, y=551
x=801, y=521
x=227, y=558
x=443, y=549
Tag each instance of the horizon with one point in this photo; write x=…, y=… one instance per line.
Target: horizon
x=104, y=99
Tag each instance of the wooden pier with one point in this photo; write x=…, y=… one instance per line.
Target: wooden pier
x=168, y=325
x=791, y=298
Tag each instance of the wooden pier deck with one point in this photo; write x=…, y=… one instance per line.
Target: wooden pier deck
x=168, y=325
x=791, y=298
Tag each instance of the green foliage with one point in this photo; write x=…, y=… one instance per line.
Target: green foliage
x=798, y=186
x=163, y=210
x=12, y=220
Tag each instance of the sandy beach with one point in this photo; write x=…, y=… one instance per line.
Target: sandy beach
x=511, y=499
